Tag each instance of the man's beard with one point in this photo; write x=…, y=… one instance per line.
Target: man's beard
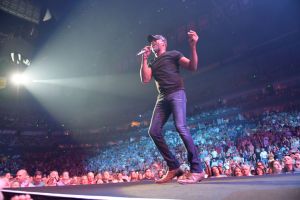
x=155, y=48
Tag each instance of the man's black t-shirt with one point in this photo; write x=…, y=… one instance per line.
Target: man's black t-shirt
x=165, y=70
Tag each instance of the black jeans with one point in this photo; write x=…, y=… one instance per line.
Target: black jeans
x=174, y=103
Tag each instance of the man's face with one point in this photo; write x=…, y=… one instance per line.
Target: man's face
x=21, y=176
x=38, y=178
x=157, y=45
x=90, y=176
x=297, y=156
x=246, y=171
x=148, y=173
x=288, y=160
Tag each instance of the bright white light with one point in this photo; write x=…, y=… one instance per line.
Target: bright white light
x=19, y=79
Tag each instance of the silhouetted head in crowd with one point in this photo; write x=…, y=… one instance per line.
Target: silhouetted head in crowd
x=22, y=176
x=106, y=177
x=260, y=165
x=160, y=174
x=133, y=176
x=84, y=180
x=237, y=171
x=288, y=164
x=98, y=179
x=297, y=166
x=276, y=167
x=246, y=170
x=91, y=178
x=296, y=156
x=38, y=179
x=148, y=174
x=259, y=171
x=215, y=171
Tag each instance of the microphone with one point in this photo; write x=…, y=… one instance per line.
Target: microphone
x=141, y=52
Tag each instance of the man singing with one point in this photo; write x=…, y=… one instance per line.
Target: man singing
x=171, y=100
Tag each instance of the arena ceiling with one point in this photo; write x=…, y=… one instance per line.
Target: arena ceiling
x=83, y=57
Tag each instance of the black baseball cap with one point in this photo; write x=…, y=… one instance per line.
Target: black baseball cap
x=151, y=38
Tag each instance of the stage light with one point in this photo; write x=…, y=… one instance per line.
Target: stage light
x=19, y=59
x=20, y=79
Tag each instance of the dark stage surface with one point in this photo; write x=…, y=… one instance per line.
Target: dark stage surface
x=286, y=187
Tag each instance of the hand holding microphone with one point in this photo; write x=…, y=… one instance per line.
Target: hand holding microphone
x=141, y=52
x=145, y=52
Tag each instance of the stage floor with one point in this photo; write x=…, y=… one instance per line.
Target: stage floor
x=286, y=187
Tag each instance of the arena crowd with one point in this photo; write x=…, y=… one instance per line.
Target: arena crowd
x=237, y=144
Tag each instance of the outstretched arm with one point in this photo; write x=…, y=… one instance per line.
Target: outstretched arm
x=192, y=63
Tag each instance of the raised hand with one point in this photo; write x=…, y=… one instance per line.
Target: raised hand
x=147, y=50
x=193, y=38
x=21, y=197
